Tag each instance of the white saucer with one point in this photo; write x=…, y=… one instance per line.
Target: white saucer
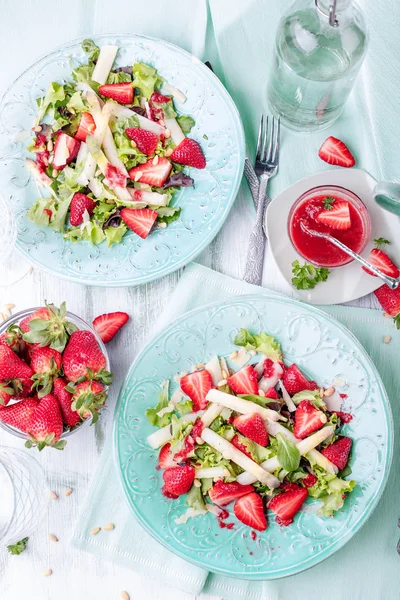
x=350, y=281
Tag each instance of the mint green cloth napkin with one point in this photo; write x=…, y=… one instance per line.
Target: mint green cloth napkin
x=367, y=568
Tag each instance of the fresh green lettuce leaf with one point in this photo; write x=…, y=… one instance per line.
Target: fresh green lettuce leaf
x=258, y=453
x=312, y=395
x=288, y=454
x=36, y=212
x=262, y=342
x=167, y=214
x=184, y=407
x=91, y=49
x=223, y=429
x=180, y=429
x=115, y=234
x=330, y=489
x=55, y=92
x=195, y=498
x=163, y=400
x=76, y=103
x=91, y=232
x=119, y=77
x=146, y=79
x=260, y=400
x=185, y=123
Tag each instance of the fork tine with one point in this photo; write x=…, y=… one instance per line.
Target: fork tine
x=260, y=138
x=271, y=145
x=265, y=140
x=278, y=143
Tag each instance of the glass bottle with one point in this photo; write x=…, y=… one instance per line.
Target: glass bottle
x=320, y=46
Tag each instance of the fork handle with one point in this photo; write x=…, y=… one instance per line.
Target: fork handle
x=255, y=254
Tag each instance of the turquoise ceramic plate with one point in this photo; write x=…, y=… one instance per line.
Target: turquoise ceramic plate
x=324, y=349
x=204, y=209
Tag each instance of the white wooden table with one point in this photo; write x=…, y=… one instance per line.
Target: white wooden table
x=77, y=575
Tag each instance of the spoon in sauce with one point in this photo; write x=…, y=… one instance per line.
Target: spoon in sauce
x=392, y=282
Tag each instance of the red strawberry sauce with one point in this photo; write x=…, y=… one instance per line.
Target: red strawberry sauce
x=316, y=250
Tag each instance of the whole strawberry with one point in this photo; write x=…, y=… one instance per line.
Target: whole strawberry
x=12, y=337
x=178, y=480
x=19, y=414
x=45, y=425
x=15, y=375
x=83, y=358
x=70, y=417
x=48, y=326
x=46, y=364
x=88, y=398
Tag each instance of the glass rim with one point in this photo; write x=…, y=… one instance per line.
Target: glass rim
x=81, y=325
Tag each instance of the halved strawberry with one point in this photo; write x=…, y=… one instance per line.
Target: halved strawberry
x=390, y=302
x=335, y=152
x=238, y=444
x=146, y=141
x=338, y=452
x=79, y=204
x=272, y=393
x=120, y=92
x=380, y=259
x=287, y=504
x=294, y=380
x=165, y=458
x=244, y=381
x=140, y=221
x=108, y=324
x=272, y=373
x=223, y=493
x=189, y=153
x=309, y=480
x=66, y=149
x=338, y=217
x=86, y=125
x=307, y=419
x=197, y=385
x=178, y=480
x=152, y=174
x=252, y=426
x=250, y=511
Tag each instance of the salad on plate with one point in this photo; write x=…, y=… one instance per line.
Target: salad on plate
x=256, y=436
x=110, y=150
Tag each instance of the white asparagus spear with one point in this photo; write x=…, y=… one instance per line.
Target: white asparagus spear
x=124, y=112
x=229, y=452
x=214, y=368
x=244, y=407
x=169, y=89
x=314, y=455
x=176, y=132
x=286, y=396
x=104, y=63
x=163, y=435
x=304, y=446
x=213, y=411
x=212, y=472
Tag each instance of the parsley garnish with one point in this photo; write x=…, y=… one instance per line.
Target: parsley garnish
x=18, y=548
x=397, y=321
x=307, y=276
x=328, y=202
x=205, y=137
x=380, y=242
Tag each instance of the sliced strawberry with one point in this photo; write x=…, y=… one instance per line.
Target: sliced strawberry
x=223, y=493
x=338, y=217
x=389, y=300
x=86, y=125
x=294, y=381
x=120, y=92
x=189, y=153
x=178, y=480
x=343, y=416
x=309, y=480
x=307, y=419
x=338, y=452
x=109, y=324
x=272, y=393
x=287, y=504
x=66, y=149
x=380, y=259
x=244, y=381
x=197, y=385
x=252, y=426
x=146, y=141
x=238, y=444
x=288, y=486
x=335, y=152
x=79, y=204
x=165, y=458
x=152, y=174
x=140, y=221
x=250, y=511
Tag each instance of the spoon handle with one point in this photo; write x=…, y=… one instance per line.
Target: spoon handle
x=392, y=282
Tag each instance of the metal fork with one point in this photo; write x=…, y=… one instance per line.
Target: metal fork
x=267, y=161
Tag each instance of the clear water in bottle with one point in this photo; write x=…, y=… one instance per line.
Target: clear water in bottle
x=315, y=64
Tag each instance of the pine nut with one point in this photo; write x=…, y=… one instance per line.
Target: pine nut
x=234, y=355
x=54, y=173
x=155, y=160
x=162, y=225
x=9, y=306
x=329, y=392
x=261, y=393
x=197, y=483
x=37, y=129
x=108, y=527
x=53, y=495
x=138, y=175
x=50, y=145
x=201, y=366
x=125, y=596
x=50, y=159
x=167, y=134
x=68, y=492
x=199, y=441
x=222, y=382
x=95, y=531
x=321, y=392
x=161, y=122
x=133, y=144
x=47, y=573
x=387, y=339
x=53, y=537
x=386, y=315
x=168, y=152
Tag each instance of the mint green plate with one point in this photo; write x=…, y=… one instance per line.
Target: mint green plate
x=324, y=350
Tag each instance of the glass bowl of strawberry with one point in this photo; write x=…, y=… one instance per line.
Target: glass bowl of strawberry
x=54, y=375
x=334, y=210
